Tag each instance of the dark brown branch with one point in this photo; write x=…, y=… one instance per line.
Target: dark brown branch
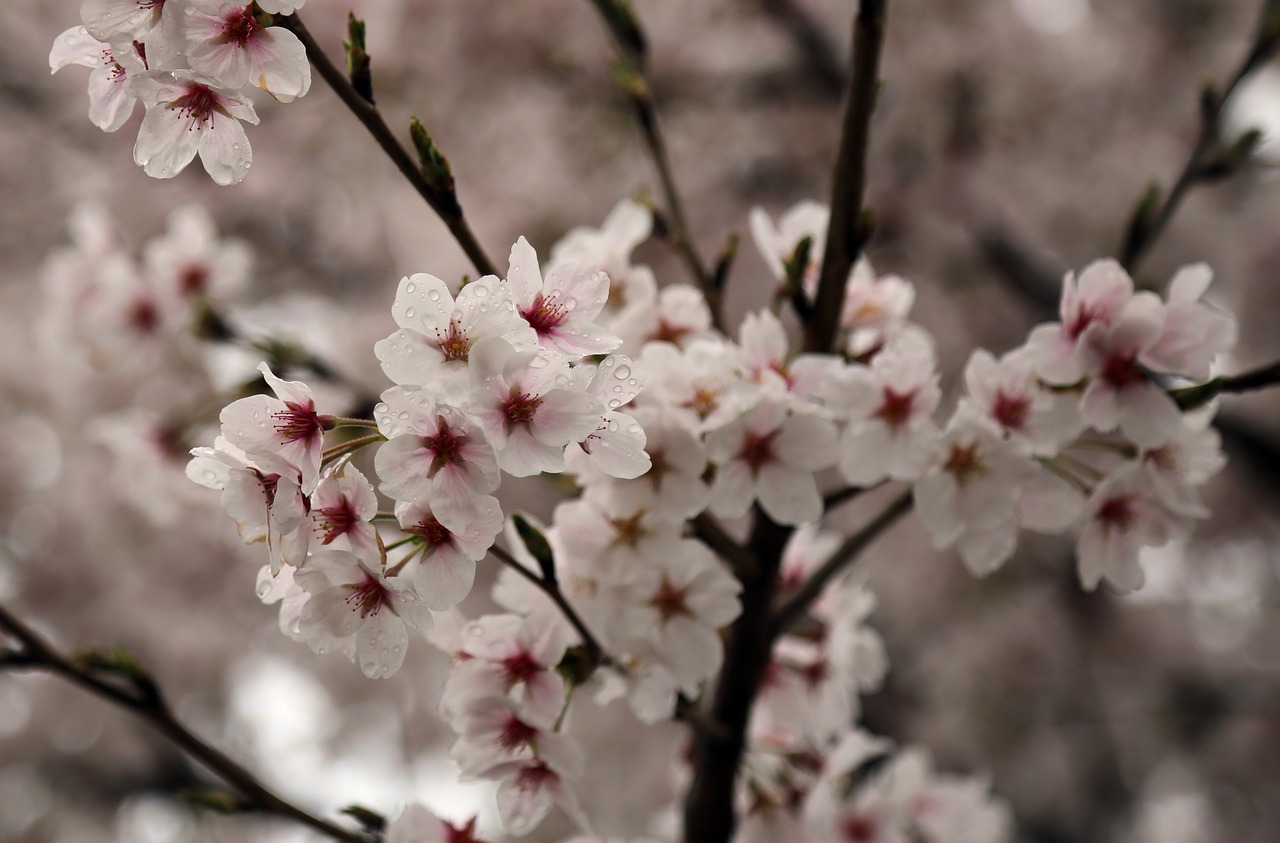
x=140, y=695
x=849, y=226
x=709, y=804
x=795, y=607
x=740, y=559
x=595, y=653
x=1149, y=222
x=1197, y=396
x=833, y=499
x=444, y=206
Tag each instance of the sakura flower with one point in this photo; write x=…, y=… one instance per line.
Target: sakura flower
x=342, y=510
x=1121, y=394
x=494, y=733
x=608, y=249
x=678, y=603
x=284, y=430
x=615, y=535
x=765, y=360
x=125, y=20
x=1180, y=466
x=889, y=407
x=1192, y=333
x=561, y=308
x=281, y=7
x=266, y=506
x=438, y=331
x=225, y=41
x=279, y=587
x=617, y=445
x=110, y=105
x=188, y=113
x=443, y=564
x=1008, y=392
x=969, y=494
x=358, y=611
x=432, y=452
x=770, y=455
x=526, y=414
x=1096, y=298
x=874, y=307
x=530, y=787
x=697, y=386
x=1123, y=516
x=778, y=243
x=418, y=825
x=190, y=260
x=680, y=317
x=506, y=655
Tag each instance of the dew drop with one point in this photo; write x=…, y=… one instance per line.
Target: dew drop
x=411, y=287
x=622, y=372
x=409, y=313
x=481, y=291
x=614, y=403
x=434, y=295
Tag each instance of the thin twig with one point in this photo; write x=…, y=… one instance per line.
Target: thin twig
x=595, y=653
x=369, y=115
x=629, y=39
x=740, y=559
x=833, y=499
x=1143, y=234
x=142, y=697
x=847, y=229
x=795, y=607
x=1197, y=396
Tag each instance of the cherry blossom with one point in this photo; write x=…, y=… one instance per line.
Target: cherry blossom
x=443, y=564
x=280, y=431
x=608, y=249
x=1123, y=515
x=418, y=825
x=1008, y=392
x=191, y=261
x=188, y=114
x=617, y=445
x=225, y=41
x=126, y=20
x=342, y=510
x=561, y=308
x=1096, y=298
x=110, y=104
x=358, y=611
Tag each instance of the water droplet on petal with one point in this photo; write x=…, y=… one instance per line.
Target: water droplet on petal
x=409, y=313
x=434, y=295
x=622, y=372
x=410, y=287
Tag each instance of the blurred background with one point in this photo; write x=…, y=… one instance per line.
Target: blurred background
x=1012, y=140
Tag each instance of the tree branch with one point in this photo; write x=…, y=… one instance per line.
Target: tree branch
x=1197, y=396
x=849, y=228
x=140, y=695
x=630, y=76
x=446, y=207
x=709, y=815
x=1149, y=222
x=795, y=607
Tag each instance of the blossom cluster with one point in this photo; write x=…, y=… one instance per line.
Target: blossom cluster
x=191, y=63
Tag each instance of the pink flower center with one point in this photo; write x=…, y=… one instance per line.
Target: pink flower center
x=1122, y=371
x=520, y=668
x=336, y=520
x=963, y=463
x=431, y=532
x=1118, y=513
x=520, y=407
x=669, y=601
x=895, y=411
x=445, y=447
x=515, y=734
x=453, y=341
x=144, y=316
x=667, y=332
x=299, y=421
x=535, y=778
x=461, y=833
x=239, y=26
x=704, y=402
x=858, y=829
x=628, y=531
x=193, y=279
x=198, y=105
x=1011, y=411
x=545, y=314
x=757, y=451
x=368, y=597
x=1084, y=317
x=815, y=674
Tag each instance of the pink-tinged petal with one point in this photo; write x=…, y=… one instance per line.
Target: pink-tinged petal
x=522, y=802
x=423, y=303
x=444, y=578
x=123, y=19
x=523, y=275
x=224, y=150
x=865, y=454
x=280, y=65
x=1099, y=406
x=583, y=339
x=565, y=416
x=381, y=643
x=807, y=442
x=582, y=288
x=1148, y=415
x=403, y=465
x=76, y=46
x=732, y=490
x=935, y=501
x=788, y=496
x=525, y=456
x=110, y=106
x=617, y=448
x=165, y=146
x=984, y=551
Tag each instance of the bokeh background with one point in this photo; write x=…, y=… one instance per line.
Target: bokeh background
x=1012, y=139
